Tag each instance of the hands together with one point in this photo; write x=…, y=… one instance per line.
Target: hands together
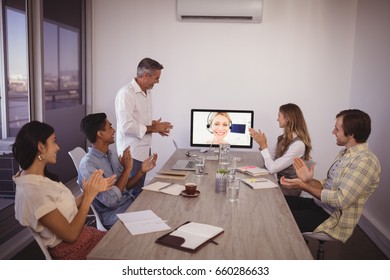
x=163, y=128
x=97, y=183
x=259, y=138
x=303, y=172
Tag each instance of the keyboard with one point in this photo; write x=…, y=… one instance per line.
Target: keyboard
x=190, y=164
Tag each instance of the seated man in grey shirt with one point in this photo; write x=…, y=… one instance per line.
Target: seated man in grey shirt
x=100, y=133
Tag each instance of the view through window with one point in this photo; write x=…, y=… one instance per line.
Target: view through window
x=16, y=102
x=62, y=52
x=62, y=63
x=62, y=75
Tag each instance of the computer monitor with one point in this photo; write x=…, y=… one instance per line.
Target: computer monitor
x=210, y=127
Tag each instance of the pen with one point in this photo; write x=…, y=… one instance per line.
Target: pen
x=212, y=241
x=166, y=186
x=258, y=180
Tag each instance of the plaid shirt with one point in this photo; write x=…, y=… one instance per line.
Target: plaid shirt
x=355, y=180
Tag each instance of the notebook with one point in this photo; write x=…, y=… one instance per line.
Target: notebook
x=164, y=187
x=190, y=236
x=252, y=170
x=184, y=164
x=259, y=183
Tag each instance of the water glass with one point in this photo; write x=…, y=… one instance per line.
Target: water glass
x=232, y=190
x=199, y=166
x=232, y=167
x=223, y=153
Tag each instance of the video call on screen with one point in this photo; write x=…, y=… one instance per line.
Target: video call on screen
x=238, y=136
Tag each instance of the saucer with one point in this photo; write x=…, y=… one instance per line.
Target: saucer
x=197, y=193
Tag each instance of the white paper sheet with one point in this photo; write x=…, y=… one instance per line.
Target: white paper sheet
x=140, y=222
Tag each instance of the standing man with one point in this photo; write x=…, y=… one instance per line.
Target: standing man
x=338, y=200
x=133, y=110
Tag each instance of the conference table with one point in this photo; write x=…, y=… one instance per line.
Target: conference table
x=258, y=226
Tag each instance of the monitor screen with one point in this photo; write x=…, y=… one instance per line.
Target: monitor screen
x=211, y=127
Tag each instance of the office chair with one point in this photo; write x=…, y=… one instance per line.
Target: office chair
x=322, y=238
x=77, y=154
x=39, y=240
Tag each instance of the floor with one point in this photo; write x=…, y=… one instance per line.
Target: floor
x=358, y=247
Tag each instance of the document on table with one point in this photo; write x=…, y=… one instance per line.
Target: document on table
x=259, y=183
x=140, y=222
x=252, y=170
x=164, y=187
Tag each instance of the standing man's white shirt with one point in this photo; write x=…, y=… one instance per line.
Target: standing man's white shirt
x=133, y=110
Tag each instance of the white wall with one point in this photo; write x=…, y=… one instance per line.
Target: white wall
x=370, y=92
x=302, y=53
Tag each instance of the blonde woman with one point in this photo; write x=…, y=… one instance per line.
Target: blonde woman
x=293, y=143
x=219, y=124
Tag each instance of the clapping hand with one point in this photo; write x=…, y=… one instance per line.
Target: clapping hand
x=291, y=184
x=126, y=159
x=149, y=163
x=97, y=183
x=259, y=138
x=303, y=172
x=163, y=128
x=304, y=175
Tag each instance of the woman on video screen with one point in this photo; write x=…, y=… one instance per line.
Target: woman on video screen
x=219, y=124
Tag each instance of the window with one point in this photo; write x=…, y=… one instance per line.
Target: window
x=62, y=74
x=14, y=90
x=49, y=88
x=62, y=53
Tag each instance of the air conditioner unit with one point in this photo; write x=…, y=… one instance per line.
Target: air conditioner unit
x=220, y=10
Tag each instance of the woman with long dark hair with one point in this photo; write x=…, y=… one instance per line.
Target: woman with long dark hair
x=46, y=205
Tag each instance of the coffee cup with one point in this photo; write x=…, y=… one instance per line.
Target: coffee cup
x=190, y=188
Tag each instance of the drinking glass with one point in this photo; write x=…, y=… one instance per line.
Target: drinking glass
x=199, y=166
x=224, y=153
x=232, y=190
x=232, y=167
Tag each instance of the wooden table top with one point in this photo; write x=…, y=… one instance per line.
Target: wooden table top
x=258, y=226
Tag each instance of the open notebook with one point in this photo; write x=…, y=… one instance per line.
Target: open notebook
x=259, y=183
x=164, y=187
x=190, y=236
